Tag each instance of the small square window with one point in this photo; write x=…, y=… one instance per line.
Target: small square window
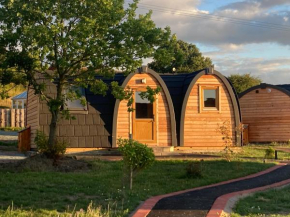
x=209, y=98
x=144, y=108
x=76, y=105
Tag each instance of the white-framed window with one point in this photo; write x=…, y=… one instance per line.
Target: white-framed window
x=76, y=106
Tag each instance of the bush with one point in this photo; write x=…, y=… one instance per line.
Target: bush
x=55, y=151
x=136, y=156
x=269, y=153
x=194, y=169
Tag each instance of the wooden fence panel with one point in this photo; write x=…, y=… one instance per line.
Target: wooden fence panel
x=24, y=139
x=12, y=117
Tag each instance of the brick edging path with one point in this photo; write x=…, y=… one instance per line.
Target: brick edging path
x=224, y=204
x=172, y=204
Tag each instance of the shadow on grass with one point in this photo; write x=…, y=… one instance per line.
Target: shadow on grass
x=104, y=185
x=272, y=202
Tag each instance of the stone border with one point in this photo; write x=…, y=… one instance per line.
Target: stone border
x=144, y=209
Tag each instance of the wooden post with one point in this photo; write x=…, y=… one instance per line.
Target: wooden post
x=12, y=117
x=1, y=118
x=8, y=117
x=17, y=117
x=276, y=154
x=24, y=139
x=22, y=118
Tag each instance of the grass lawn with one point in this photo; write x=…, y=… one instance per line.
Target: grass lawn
x=258, y=151
x=8, y=146
x=269, y=203
x=46, y=193
x=11, y=129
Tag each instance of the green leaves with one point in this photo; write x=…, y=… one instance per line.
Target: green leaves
x=135, y=155
x=150, y=93
x=182, y=56
x=243, y=82
x=68, y=43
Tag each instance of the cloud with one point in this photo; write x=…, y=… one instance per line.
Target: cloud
x=273, y=71
x=248, y=22
x=265, y=4
x=254, y=40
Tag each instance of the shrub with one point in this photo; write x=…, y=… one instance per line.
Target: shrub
x=225, y=130
x=55, y=151
x=269, y=153
x=136, y=156
x=274, y=144
x=194, y=169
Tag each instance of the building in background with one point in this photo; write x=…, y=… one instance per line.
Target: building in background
x=19, y=101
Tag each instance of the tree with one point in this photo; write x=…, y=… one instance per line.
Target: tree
x=75, y=40
x=243, y=82
x=187, y=58
x=136, y=157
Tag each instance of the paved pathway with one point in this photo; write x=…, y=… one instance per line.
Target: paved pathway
x=198, y=202
x=8, y=136
x=11, y=156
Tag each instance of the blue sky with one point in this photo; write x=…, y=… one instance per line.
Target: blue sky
x=234, y=48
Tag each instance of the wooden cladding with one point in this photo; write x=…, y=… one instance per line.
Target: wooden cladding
x=159, y=128
x=201, y=124
x=24, y=138
x=32, y=114
x=267, y=113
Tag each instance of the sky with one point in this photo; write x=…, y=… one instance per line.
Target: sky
x=240, y=36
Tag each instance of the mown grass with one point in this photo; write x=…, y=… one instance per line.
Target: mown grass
x=258, y=151
x=274, y=202
x=11, y=129
x=35, y=193
x=8, y=143
x=8, y=146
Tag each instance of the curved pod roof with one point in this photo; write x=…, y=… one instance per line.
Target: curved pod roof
x=145, y=69
x=285, y=88
x=185, y=83
x=230, y=91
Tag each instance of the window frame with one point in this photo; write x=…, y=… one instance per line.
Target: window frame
x=217, y=107
x=75, y=110
x=135, y=106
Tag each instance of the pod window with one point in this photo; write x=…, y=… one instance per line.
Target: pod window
x=209, y=98
x=76, y=106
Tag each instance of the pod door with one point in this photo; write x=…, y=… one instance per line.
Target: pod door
x=144, y=119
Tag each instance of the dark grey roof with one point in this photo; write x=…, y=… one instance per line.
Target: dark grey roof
x=285, y=88
x=104, y=105
x=22, y=95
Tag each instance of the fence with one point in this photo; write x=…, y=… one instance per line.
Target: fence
x=12, y=117
x=24, y=139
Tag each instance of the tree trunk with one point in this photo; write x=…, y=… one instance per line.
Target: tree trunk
x=55, y=110
x=52, y=129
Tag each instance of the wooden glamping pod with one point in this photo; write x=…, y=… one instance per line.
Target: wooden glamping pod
x=104, y=119
x=266, y=110
x=203, y=101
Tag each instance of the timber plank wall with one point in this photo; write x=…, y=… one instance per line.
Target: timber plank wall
x=87, y=130
x=267, y=112
x=201, y=128
x=162, y=112
x=32, y=114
